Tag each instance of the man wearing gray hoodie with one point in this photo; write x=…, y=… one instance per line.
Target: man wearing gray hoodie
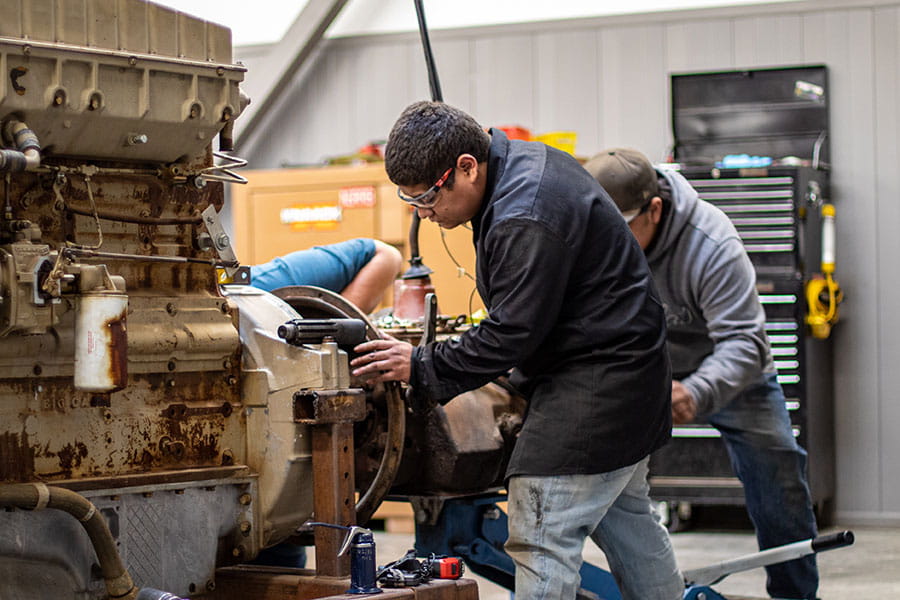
x=723, y=372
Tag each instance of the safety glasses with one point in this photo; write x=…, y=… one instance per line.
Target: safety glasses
x=427, y=198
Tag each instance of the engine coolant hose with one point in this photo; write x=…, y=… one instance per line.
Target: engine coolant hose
x=27, y=156
x=38, y=496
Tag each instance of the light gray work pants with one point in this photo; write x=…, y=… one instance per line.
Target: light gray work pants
x=550, y=517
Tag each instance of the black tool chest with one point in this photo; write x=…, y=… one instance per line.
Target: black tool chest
x=775, y=209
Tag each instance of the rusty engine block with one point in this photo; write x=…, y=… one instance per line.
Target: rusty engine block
x=137, y=394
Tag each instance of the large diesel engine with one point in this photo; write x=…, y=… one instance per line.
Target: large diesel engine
x=125, y=375
x=155, y=424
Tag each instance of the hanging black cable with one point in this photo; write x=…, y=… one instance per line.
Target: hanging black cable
x=433, y=80
x=417, y=268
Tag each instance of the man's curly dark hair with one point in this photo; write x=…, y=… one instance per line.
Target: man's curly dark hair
x=427, y=139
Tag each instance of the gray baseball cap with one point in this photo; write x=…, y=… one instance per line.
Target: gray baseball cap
x=627, y=176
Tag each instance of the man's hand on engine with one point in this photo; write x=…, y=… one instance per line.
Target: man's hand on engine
x=684, y=407
x=383, y=360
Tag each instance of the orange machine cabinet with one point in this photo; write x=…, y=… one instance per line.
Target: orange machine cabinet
x=279, y=211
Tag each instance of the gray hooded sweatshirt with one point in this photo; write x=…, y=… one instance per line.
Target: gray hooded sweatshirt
x=716, y=324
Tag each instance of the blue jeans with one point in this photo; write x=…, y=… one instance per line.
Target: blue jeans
x=550, y=517
x=771, y=465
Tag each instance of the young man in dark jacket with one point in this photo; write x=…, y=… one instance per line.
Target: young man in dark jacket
x=573, y=309
x=724, y=373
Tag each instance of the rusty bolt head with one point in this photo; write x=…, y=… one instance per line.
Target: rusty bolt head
x=246, y=527
x=245, y=499
x=171, y=308
x=220, y=71
x=210, y=586
x=237, y=551
x=227, y=457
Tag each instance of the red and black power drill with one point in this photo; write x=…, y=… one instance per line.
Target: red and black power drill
x=411, y=571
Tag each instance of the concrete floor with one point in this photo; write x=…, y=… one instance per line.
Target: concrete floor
x=870, y=569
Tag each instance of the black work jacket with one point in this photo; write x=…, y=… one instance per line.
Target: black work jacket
x=572, y=306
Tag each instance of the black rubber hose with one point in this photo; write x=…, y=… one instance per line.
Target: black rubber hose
x=37, y=496
x=414, y=236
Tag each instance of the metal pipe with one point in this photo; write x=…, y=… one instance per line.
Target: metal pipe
x=87, y=253
x=108, y=216
x=7, y=201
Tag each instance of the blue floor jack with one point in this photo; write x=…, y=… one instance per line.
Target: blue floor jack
x=475, y=529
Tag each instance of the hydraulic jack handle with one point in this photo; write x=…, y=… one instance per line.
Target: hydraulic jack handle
x=717, y=572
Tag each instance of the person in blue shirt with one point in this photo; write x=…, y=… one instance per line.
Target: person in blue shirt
x=360, y=270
